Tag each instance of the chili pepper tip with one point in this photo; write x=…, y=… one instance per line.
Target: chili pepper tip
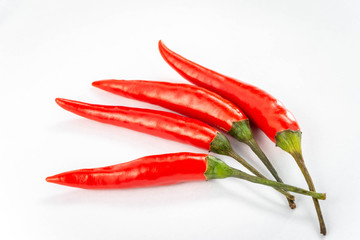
x=63, y=102
x=59, y=100
x=96, y=83
x=53, y=179
x=103, y=84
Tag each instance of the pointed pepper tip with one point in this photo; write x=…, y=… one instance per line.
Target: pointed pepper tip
x=53, y=179
x=96, y=83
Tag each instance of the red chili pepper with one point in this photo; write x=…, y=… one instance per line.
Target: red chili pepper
x=195, y=102
x=264, y=110
x=159, y=123
x=162, y=124
x=147, y=171
x=187, y=99
x=160, y=170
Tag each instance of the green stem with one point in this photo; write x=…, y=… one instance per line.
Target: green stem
x=221, y=145
x=290, y=141
x=290, y=198
x=242, y=132
x=300, y=162
x=239, y=174
x=217, y=169
x=257, y=150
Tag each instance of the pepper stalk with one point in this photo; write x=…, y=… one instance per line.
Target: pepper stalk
x=217, y=169
x=242, y=132
x=290, y=141
x=221, y=145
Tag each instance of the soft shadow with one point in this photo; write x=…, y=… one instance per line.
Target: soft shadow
x=164, y=196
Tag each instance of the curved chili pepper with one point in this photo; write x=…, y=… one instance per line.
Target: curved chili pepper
x=268, y=113
x=162, y=124
x=160, y=170
x=186, y=99
x=143, y=172
x=192, y=101
x=159, y=123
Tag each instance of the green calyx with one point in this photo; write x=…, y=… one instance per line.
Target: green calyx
x=220, y=144
x=289, y=141
x=216, y=169
x=241, y=130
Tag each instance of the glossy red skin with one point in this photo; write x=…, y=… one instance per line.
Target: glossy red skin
x=159, y=123
x=186, y=99
x=264, y=110
x=148, y=171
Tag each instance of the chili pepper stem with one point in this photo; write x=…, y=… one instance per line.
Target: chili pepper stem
x=217, y=169
x=257, y=150
x=290, y=198
x=300, y=162
x=239, y=174
x=290, y=141
x=242, y=132
x=221, y=145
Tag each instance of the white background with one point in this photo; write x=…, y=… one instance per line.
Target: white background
x=306, y=53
